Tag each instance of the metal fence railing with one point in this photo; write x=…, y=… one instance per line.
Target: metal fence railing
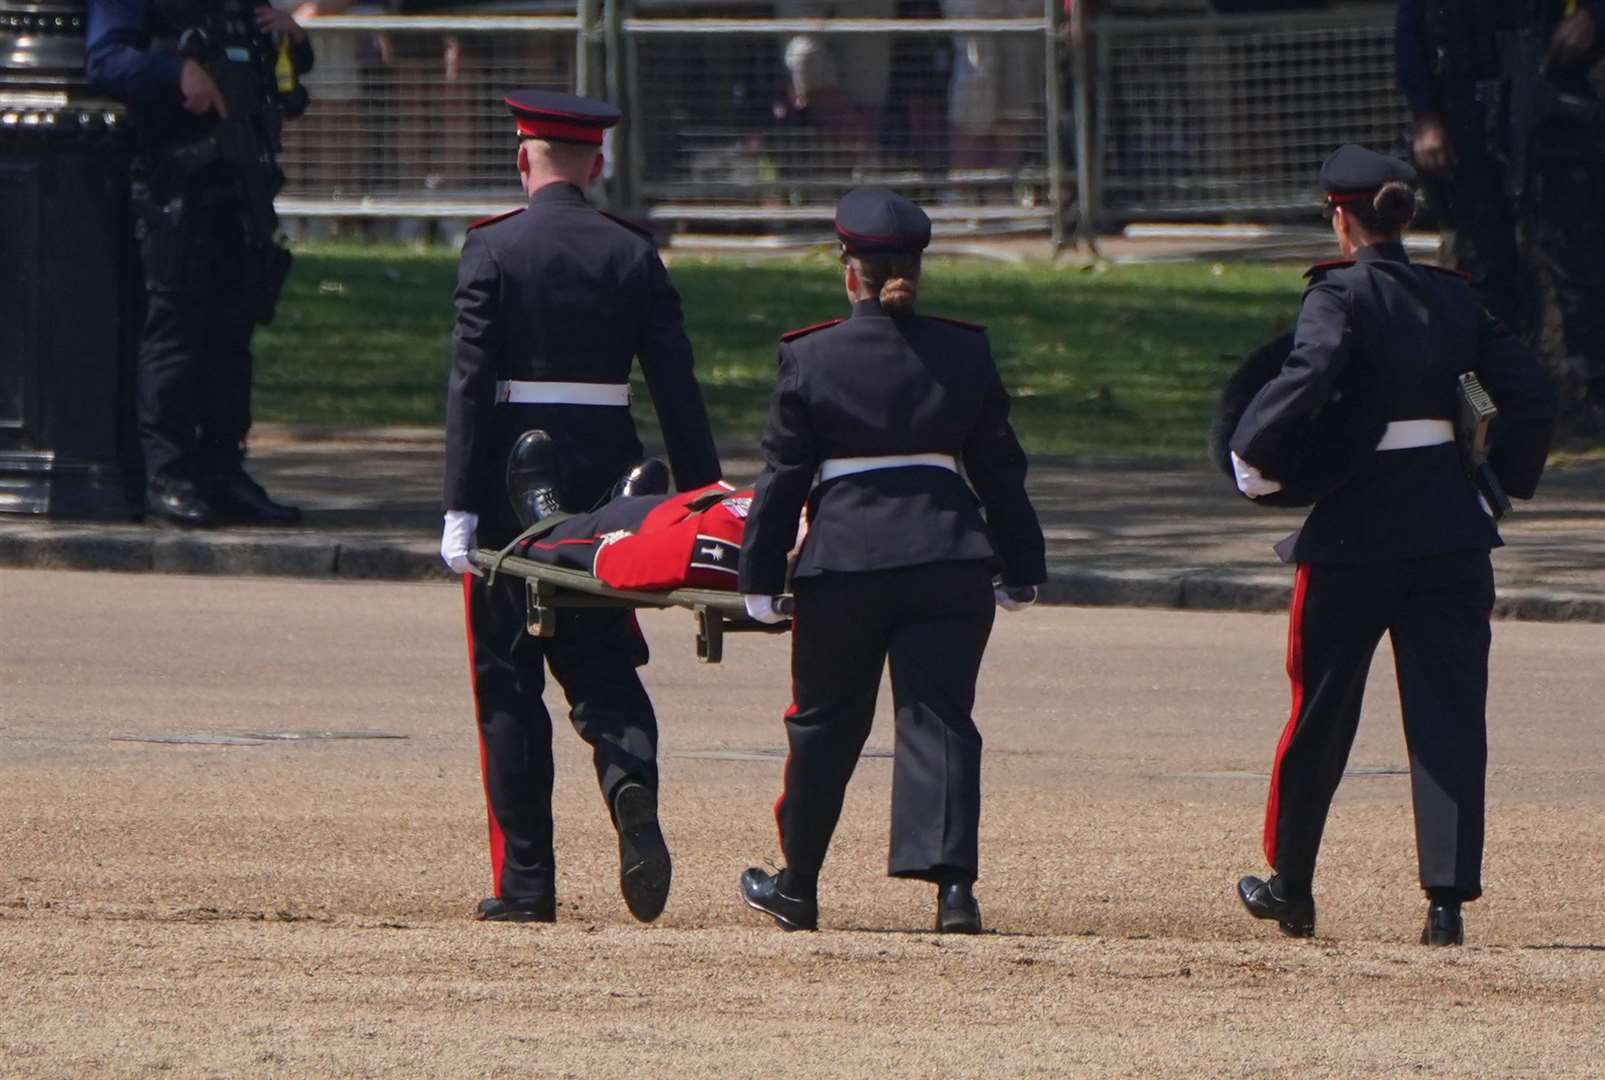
x=1233, y=115
x=993, y=116
x=407, y=114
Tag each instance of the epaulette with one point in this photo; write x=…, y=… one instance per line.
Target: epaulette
x=1323, y=267
x=1461, y=274
x=494, y=218
x=635, y=227
x=979, y=327
x=793, y=335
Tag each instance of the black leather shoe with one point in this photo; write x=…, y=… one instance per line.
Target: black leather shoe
x=649, y=477
x=516, y=909
x=761, y=892
x=1295, y=917
x=240, y=500
x=532, y=478
x=1444, y=925
x=179, y=504
x=644, y=867
x=957, y=910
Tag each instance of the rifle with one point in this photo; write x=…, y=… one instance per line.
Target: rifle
x=246, y=143
x=1572, y=122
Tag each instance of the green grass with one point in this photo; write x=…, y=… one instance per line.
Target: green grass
x=1120, y=360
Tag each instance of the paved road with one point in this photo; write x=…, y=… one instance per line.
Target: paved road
x=297, y=906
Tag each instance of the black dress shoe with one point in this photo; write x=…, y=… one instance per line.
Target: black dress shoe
x=532, y=478
x=761, y=892
x=644, y=867
x=1444, y=925
x=1295, y=917
x=649, y=477
x=240, y=500
x=516, y=909
x=179, y=504
x=957, y=910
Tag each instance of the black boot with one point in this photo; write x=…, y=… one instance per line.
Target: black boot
x=532, y=478
x=242, y=501
x=1265, y=900
x=649, y=477
x=1444, y=925
x=957, y=910
x=178, y=503
x=517, y=909
x=644, y=867
x=796, y=909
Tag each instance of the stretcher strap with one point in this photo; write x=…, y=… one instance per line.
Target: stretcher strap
x=528, y=536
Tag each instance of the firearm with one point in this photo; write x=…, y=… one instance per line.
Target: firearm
x=1477, y=413
x=1572, y=122
x=247, y=143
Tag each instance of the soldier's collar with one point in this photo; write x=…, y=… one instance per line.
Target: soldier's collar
x=557, y=191
x=1389, y=251
x=870, y=308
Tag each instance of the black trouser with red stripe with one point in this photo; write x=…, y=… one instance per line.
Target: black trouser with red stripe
x=1436, y=611
x=932, y=623
x=593, y=657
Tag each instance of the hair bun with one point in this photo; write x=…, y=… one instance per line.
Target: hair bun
x=897, y=295
x=1395, y=205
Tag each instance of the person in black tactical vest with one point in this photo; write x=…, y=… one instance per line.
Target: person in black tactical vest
x=869, y=423
x=555, y=303
x=1400, y=547
x=1510, y=135
x=210, y=84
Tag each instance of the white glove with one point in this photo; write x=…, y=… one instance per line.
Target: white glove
x=457, y=540
x=1250, y=481
x=1014, y=597
x=762, y=609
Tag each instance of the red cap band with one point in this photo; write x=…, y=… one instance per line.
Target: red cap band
x=542, y=128
x=1352, y=196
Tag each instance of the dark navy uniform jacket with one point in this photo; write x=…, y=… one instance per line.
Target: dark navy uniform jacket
x=563, y=293
x=874, y=385
x=130, y=56
x=1408, y=331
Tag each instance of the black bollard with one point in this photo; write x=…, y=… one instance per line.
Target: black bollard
x=69, y=300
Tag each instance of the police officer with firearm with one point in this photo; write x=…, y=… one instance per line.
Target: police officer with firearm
x=1398, y=546
x=210, y=83
x=555, y=303
x=1509, y=131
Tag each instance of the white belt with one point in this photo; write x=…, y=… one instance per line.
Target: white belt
x=562, y=393
x=831, y=468
x=1410, y=434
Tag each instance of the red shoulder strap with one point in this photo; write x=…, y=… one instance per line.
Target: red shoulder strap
x=635, y=227
x=981, y=327
x=793, y=335
x=494, y=218
x=1322, y=267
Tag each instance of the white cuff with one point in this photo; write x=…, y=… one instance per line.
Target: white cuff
x=762, y=609
x=1008, y=602
x=1250, y=481
x=457, y=540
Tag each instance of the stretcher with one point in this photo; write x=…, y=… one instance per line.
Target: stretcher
x=550, y=588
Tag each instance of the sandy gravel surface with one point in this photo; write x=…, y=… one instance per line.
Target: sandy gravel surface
x=298, y=907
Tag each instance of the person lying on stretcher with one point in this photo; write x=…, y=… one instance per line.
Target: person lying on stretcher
x=642, y=539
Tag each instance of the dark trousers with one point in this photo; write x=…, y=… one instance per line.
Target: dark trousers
x=194, y=384
x=932, y=623
x=1436, y=611
x=594, y=659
